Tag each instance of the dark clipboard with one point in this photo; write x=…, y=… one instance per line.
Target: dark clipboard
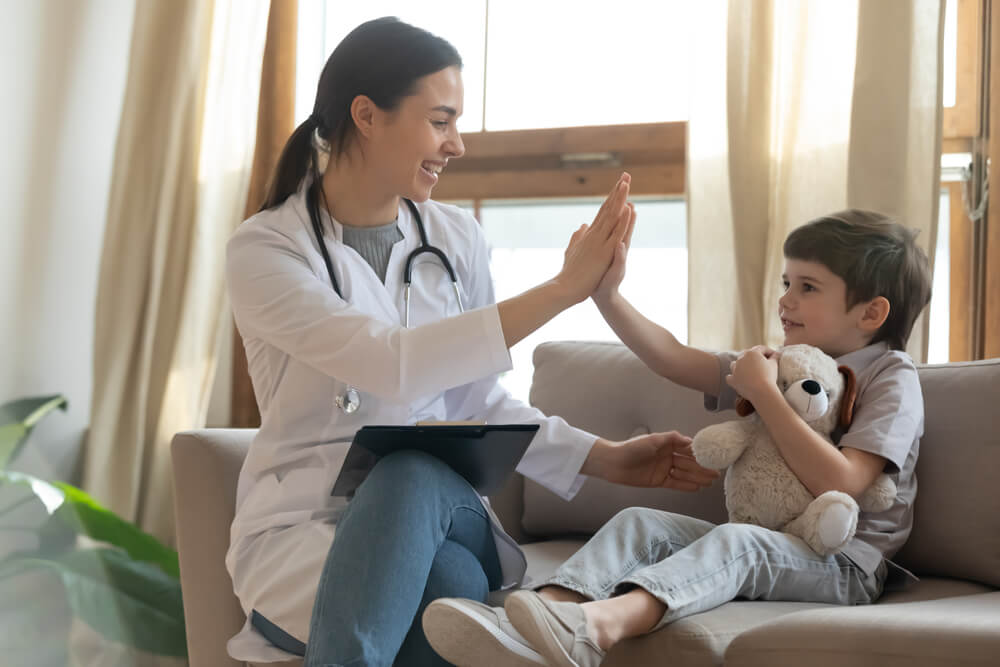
x=483, y=454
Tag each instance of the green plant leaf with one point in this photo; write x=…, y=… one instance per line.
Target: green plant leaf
x=126, y=601
x=91, y=519
x=70, y=507
x=17, y=418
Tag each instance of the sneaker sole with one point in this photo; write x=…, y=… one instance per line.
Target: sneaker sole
x=466, y=639
x=530, y=617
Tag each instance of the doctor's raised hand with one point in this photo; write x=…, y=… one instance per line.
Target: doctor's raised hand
x=590, y=252
x=362, y=301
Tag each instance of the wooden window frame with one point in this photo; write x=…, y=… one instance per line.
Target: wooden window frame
x=567, y=162
x=974, y=290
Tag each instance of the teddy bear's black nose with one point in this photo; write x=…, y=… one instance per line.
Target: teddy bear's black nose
x=811, y=387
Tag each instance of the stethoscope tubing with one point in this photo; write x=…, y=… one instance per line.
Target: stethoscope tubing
x=350, y=400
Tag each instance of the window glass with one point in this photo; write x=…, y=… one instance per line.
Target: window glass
x=537, y=68
x=528, y=240
x=568, y=63
x=939, y=330
x=322, y=25
x=949, y=56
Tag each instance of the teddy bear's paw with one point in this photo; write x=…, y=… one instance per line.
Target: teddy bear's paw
x=828, y=522
x=879, y=496
x=835, y=526
x=719, y=445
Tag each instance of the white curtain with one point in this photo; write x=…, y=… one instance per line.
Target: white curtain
x=801, y=108
x=182, y=166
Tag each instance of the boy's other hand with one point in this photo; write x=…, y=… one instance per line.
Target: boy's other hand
x=654, y=460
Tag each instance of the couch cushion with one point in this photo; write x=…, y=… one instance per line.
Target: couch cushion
x=696, y=641
x=700, y=640
x=604, y=388
x=961, y=630
x=956, y=527
x=543, y=559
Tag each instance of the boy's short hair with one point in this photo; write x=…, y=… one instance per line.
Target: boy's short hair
x=875, y=256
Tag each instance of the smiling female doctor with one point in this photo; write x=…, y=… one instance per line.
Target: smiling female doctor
x=316, y=281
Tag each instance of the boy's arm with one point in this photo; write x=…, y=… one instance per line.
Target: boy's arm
x=818, y=466
x=658, y=348
x=654, y=345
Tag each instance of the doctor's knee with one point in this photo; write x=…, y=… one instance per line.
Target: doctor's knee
x=410, y=469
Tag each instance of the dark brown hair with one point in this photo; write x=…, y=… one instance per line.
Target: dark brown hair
x=381, y=59
x=875, y=256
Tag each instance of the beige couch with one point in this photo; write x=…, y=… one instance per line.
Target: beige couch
x=952, y=617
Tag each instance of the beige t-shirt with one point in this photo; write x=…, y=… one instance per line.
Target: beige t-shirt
x=888, y=421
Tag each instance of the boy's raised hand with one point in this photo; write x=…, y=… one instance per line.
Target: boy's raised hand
x=613, y=277
x=592, y=247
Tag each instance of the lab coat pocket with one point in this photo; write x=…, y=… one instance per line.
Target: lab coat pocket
x=307, y=489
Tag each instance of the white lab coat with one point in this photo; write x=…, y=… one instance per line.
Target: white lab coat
x=304, y=344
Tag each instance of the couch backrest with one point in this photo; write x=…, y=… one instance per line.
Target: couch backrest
x=956, y=526
x=604, y=388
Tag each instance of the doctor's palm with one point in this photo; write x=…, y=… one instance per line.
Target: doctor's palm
x=592, y=248
x=659, y=460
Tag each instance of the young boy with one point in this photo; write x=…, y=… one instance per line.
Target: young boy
x=855, y=281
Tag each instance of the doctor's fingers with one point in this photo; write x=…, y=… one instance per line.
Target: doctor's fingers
x=578, y=234
x=688, y=470
x=611, y=210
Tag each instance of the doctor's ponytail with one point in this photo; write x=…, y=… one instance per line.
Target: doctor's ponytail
x=381, y=59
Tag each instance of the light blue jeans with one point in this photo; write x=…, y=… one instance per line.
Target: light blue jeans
x=414, y=531
x=693, y=565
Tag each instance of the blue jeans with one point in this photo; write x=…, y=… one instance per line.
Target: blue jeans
x=414, y=531
x=692, y=565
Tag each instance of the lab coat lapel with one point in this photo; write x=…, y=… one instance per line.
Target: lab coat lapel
x=361, y=285
x=393, y=287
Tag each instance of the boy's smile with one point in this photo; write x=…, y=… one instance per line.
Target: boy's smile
x=814, y=310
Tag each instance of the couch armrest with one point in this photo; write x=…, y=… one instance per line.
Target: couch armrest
x=206, y=466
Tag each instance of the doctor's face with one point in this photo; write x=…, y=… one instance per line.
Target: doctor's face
x=421, y=135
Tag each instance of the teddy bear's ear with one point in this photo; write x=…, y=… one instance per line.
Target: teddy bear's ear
x=744, y=407
x=850, y=394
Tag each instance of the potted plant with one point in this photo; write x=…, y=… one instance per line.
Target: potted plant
x=119, y=580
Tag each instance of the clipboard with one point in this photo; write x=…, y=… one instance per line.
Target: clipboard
x=483, y=454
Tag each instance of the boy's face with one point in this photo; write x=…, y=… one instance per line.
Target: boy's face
x=813, y=309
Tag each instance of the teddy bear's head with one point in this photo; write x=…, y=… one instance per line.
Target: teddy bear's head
x=817, y=389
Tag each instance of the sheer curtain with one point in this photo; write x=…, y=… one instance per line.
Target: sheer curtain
x=800, y=109
x=179, y=187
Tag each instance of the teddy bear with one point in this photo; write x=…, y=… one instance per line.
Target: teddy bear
x=760, y=487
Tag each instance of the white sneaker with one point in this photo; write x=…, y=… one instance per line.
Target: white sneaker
x=470, y=634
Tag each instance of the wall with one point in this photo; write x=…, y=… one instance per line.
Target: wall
x=63, y=66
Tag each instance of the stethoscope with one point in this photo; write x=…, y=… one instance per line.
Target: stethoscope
x=350, y=400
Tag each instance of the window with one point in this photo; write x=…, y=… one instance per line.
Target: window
x=530, y=183
x=954, y=318
x=528, y=239
x=499, y=45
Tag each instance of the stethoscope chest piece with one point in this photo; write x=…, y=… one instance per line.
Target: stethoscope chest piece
x=349, y=401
